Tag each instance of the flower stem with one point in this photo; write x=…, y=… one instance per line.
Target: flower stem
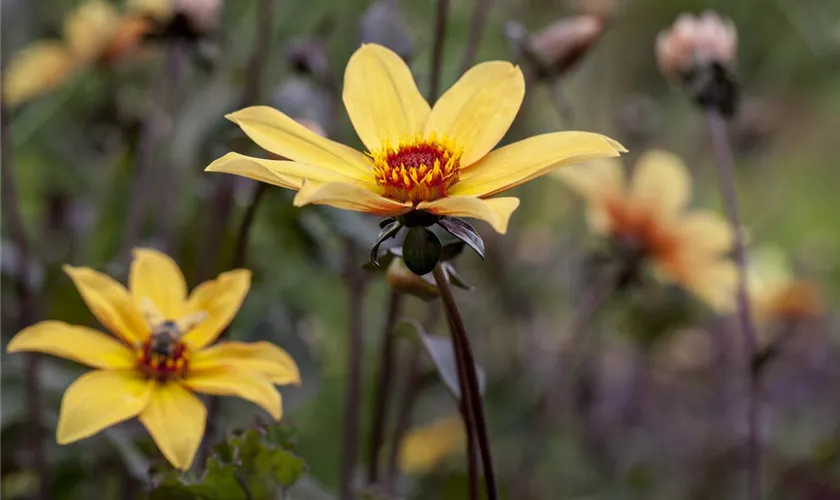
x=560, y=380
x=726, y=177
x=470, y=393
x=441, y=13
x=384, y=381
x=477, y=22
x=242, y=236
x=355, y=281
x=28, y=303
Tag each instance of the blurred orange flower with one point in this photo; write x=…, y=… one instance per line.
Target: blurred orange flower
x=775, y=293
x=649, y=214
x=433, y=159
x=94, y=32
x=426, y=446
x=161, y=354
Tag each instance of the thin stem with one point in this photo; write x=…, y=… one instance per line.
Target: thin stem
x=726, y=177
x=222, y=198
x=470, y=391
x=146, y=154
x=441, y=13
x=355, y=281
x=472, y=458
x=476, y=29
x=384, y=381
x=28, y=303
x=242, y=236
x=562, y=376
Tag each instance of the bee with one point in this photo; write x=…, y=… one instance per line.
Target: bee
x=166, y=334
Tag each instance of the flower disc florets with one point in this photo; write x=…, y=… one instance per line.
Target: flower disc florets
x=417, y=169
x=163, y=356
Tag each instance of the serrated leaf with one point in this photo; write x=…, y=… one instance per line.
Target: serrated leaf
x=442, y=354
x=421, y=250
x=462, y=230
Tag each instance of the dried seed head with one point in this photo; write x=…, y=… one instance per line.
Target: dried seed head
x=562, y=44
x=695, y=41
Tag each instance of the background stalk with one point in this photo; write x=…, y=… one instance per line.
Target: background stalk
x=384, y=380
x=28, y=303
x=726, y=177
x=470, y=391
x=355, y=281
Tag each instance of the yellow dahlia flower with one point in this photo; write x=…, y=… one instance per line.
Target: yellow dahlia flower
x=433, y=159
x=95, y=31
x=649, y=214
x=160, y=356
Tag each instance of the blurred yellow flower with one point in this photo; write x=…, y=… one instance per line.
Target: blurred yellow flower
x=160, y=356
x=437, y=160
x=649, y=214
x=426, y=446
x=775, y=293
x=94, y=32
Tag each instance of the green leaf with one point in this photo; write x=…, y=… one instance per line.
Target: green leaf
x=442, y=354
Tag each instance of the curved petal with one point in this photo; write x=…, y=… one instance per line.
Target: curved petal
x=594, y=181
x=81, y=344
x=661, y=181
x=477, y=111
x=495, y=211
x=175, y=418
x=248, y=385
x=220, y=299
x=349, y=197
x=263, y=357
x=522, y=161
x=287, y=174
x=100, y=399
x=111, y=303
x=283, y=136
x=381, y=97
x=715, y=282
x=156, y=277
x=426, y=446
x=90, y=28
x=36, y=70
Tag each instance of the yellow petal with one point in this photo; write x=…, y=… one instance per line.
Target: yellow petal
x=600, y=183
x=705, y=231
x=426, y=446
x=287, y=174
x=477, y=111
x=495, y=211
x=381, y=97
x=661, y=182
x=100, y=399
x=156, y=277
x=36, y=70
x=160, y=10
x=248, y=385
x=175, y=418
x=715, y=282
x=111, y=303
x=78, y=343
x=349, y=197
x=522, y=161
x=263, y=357
x=283, y=136
x=90, y=28
x=220, y=299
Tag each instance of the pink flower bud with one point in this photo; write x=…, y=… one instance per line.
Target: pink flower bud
x=696, y=40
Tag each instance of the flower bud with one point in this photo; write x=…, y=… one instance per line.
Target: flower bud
x=402, y=280
x=562, y=44
x=694, y=41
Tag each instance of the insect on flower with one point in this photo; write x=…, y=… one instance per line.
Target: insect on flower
x=160, y=356
x=648, y=217
x=423, y=164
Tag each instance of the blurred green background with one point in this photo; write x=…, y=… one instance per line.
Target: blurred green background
x=658, y=417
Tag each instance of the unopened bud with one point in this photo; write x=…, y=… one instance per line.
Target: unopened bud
x=561, y=45
x=402, y=280
x=696, y=40
x=700, y=52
